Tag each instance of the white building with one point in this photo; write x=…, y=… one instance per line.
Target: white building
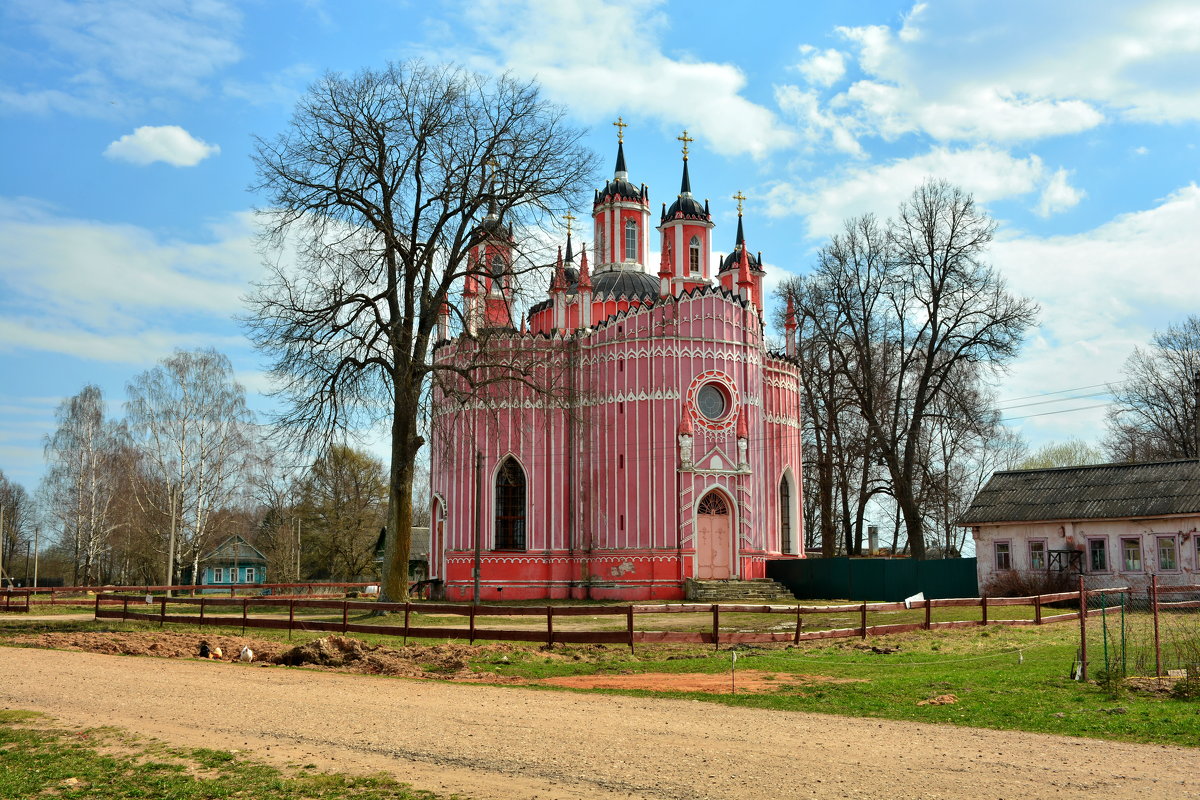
x=1116, y=524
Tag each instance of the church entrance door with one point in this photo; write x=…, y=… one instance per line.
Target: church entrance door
x=714, y=540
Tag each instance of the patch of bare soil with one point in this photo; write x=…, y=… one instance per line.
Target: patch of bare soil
x=334, y=653
x=748, y=681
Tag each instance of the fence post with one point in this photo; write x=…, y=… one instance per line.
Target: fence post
x=1157, y=641
x=983, y=605
x=245, y=608
x=1083, y=660
x=162, y=612
x=716, y=628
x=345, y=615
x=98, y=612
x=863, y=619
x=799, y=622
x=928, y=615
x=473, y=605
x=1037, y=610
x=629, y=622
x=125, y=608
x=549, y=627
x=407, y=609
x=291, y=615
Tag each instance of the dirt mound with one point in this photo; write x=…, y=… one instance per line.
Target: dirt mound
x=165, y=644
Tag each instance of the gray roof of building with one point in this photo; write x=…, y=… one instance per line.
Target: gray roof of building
x=1102, y=491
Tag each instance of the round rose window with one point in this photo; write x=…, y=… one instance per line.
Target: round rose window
x=712, y=401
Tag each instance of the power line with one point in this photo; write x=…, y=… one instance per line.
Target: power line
x=1057, y=400
x=1060, y=391
x=1060, y=411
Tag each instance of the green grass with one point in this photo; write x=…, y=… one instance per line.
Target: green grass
x=42, y=759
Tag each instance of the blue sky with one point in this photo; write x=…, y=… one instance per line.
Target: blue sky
x=126, y=227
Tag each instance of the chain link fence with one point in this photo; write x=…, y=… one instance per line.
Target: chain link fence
x=1145, y=633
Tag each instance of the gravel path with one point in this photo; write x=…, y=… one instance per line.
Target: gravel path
x=492, y=742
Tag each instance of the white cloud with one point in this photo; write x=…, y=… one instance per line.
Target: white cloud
x=116, y=292
x=1006, y=73
x=170, y=144
x=989, y=174
x=99, y=53
x=607, y=57
x=1058, y=195
x=822, y=68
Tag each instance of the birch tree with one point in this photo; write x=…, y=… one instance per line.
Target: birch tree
x=80, y=483
x=189, y=419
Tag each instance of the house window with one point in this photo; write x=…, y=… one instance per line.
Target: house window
x=1131, y=555
x=694, y=256
x=1037, y=554
x=631, y=240
x=1097, y=555
x=785, y=516
x=249, y=574
x=510, y=506
x=1166, y=554
x=218, y=575
x=1003, y=555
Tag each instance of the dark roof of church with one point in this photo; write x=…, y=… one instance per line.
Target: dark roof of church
x=630, y=283
x=1101, y=491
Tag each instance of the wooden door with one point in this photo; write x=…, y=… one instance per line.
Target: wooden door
x=714, y=543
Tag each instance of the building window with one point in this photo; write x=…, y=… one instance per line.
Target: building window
x=498, y=269
x=510, y=506
x=218, y=575
x=785, y=516
x=249, y=574
x=712, y=401
x=631, y=240
x=694, y=256
x=1037, y=555
x=1166, y=554
x=1097, y=555
x=1003, y=555
x=233, y=575
x=1131, y=555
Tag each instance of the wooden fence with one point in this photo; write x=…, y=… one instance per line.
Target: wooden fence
x=135, y=608
x=85, y=595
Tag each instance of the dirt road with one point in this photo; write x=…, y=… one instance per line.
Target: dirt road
x=493, y=742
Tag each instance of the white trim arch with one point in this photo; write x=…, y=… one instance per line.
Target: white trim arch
x=437, y=535
x=491, y=508
x=792, y=512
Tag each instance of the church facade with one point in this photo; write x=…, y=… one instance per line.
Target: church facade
x=672, y=451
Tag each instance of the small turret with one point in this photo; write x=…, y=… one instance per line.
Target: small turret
x=789, y=327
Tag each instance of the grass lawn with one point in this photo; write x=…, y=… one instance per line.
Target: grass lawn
x=42, y=759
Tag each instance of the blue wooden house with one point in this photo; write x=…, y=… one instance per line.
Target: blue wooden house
x=235, y=561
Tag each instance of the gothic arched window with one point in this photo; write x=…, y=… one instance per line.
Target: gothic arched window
x=631, y=240
x=510, y=506
x=694, y=256
x=785, y=515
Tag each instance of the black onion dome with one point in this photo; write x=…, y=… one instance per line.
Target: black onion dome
x=688, y=207
x=734, y=260
x=620, y=188
x=572, y=277
x=630, y=283
x=492, y=228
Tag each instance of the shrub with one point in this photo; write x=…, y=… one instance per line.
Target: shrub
x=1020, y=583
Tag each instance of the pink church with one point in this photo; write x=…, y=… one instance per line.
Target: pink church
x=677, y=454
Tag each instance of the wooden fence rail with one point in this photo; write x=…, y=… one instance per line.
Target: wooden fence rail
x=550, y=635
x=74, y=595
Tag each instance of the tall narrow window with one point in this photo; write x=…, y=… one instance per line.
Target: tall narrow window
x=498, y=269
x=1098, y=555
x=249, y=574
x=1003, y=555
x=694, y=256
x=1037, y=554
x=1131, y=555
x=218, y=575
x=510, y=506
x=785, y=516
x=1166, y=554
x=631, y=240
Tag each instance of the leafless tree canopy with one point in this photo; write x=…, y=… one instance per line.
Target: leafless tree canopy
x=906, y=314
x=374, y=196
x=1153, y=415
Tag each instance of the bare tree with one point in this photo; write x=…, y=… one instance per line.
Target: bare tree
x=382, y=183
x=1153, y=416
x=906, y=306
x=189, y=419
x=80, y=484
x=16, y=526
x=1069, y=453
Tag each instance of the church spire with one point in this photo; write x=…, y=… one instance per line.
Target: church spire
x=685, y=186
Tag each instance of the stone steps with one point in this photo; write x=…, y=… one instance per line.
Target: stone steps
x=731, y=591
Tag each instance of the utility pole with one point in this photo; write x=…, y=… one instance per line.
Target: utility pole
x=37, y=531
x=2, y=549
x=478, y=522
x=1196, y=414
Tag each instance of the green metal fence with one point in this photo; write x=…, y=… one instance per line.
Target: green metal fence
x=879, y=579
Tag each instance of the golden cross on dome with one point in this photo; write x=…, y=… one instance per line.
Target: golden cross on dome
x=741, y=198
x=685, y=139
x=569, y=217
x=621, y=125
